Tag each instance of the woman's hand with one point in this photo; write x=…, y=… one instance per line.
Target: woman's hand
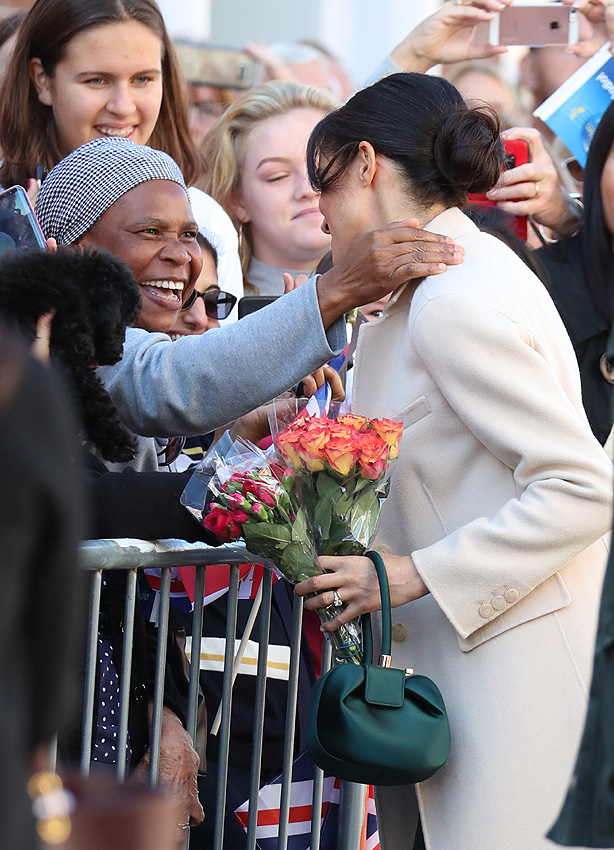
x=447, y=36
x=313, y=382
x=600, y=15
x=41, y=347
x=355, y=580
x=378, y=262
x=291, y=283
x=535, y=187
x=178, y=769
x=275, y=68
x=254, y=426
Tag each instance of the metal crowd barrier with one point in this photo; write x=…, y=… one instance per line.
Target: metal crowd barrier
x=132, y=555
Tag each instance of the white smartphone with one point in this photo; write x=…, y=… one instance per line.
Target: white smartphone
x=534, y=25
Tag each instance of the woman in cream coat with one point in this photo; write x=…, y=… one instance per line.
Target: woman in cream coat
x=500, y=497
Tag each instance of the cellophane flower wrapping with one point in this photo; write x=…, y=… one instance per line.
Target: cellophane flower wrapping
x=341, y=465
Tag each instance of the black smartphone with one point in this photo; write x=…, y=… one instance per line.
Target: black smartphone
x=250, y=303
x=19, y=227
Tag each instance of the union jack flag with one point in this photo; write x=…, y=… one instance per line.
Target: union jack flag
x=217, y=580
x=301, y=805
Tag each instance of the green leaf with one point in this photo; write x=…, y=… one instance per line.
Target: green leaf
x=363, y=517
x=323, y=516
x=296, y=564
x=306, y=496
x=361, y=483
x=326, y=486
x=299, y=527
x=345, y=547
x=344, y=504
x=351, y=486
x=267, y=531
x=339, y=529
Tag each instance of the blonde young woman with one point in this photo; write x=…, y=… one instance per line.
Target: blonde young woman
x=256, y=169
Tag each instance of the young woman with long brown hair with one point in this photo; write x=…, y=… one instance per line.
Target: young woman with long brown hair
x=91, y=68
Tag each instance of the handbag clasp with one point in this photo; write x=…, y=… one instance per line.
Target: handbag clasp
x=385, y=661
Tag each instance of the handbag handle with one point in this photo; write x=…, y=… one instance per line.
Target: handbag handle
x=385, y=658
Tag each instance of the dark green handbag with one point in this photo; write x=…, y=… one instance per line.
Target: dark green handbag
x=374, y=724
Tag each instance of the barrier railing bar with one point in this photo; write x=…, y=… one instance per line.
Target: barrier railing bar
x=318, y=773
x=197, y=631
x=158, y=698
x=295, y=652
x=126, y=674
x=351, y=815
x=261, y=683
x=129, y=554
x=91, y=660
x=224, y=745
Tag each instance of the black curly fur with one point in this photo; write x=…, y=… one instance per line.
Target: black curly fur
x=95, y=298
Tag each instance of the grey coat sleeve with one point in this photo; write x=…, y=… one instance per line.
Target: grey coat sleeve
x=163, y=388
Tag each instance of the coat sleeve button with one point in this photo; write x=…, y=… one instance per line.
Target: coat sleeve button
x=512, y=595
x=399, y=632
x=383, y=549
x=499, y=603
x=486, y=611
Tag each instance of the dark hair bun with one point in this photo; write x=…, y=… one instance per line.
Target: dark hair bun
x=468, y=151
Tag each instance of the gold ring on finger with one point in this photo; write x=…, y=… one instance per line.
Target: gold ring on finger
x=536, y=184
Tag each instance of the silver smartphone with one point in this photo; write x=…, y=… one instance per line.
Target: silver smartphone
x=532, y=25
x=19, y=227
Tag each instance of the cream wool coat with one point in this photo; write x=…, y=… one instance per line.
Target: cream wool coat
x=502, y=496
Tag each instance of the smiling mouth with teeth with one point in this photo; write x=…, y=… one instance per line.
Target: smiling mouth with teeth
x=123, y=132
x=164, y=290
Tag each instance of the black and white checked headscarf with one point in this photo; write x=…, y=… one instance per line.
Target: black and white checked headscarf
x=82, y=186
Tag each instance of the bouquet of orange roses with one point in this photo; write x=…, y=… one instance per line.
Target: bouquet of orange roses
x=342, y=470
x=320, y=495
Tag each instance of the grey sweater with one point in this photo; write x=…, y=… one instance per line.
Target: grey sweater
x=192, y=386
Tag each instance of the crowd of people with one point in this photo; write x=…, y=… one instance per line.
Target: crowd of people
x=160, y=215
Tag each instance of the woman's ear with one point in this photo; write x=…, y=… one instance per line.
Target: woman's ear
x=367, y=165
x=237, y=208
x=41, y=81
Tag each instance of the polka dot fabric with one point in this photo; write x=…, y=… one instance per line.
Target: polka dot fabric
x=107, y=726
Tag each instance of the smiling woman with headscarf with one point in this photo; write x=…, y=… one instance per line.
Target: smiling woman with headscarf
x=131, y=199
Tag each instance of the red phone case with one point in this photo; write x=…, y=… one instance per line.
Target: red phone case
x=516, y=153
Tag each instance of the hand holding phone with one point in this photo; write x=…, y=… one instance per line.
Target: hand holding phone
x=535, y=24
x=533, y=188
x=516, y=157
x=19, y=227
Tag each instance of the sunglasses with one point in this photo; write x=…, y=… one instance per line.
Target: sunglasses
x=218, y=304
x=171, y=451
